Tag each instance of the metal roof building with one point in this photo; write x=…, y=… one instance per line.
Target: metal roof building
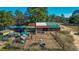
x=47, y=25
x=39, y=25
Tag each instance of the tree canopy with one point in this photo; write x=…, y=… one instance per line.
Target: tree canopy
x=38, y=14
x=33, y=14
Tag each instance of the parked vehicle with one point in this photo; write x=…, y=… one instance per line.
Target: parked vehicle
x=24, y=35
x=42, y=43
x=77, y=33
x=4, y=35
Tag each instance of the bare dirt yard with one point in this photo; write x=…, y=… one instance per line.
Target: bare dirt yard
x=62, y=40
x=71, y=30
x=51, y=44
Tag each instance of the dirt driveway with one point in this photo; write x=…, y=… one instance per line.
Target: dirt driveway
x=48, y=39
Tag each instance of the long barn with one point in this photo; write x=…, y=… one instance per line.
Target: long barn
x=38, y=26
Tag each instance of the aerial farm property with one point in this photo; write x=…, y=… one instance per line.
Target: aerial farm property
x=36, y=30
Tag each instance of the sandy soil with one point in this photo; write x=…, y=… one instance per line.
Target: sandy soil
x=71, y=32
x=48, y=39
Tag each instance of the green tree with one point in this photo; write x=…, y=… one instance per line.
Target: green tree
x=74, y=19
x=19, y=17
x=38, y=14
x=6, y=19
x=51, y=18
x=9, y=18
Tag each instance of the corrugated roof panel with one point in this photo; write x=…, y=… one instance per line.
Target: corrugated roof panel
x=53, y=25
x=41, y=24
x=30, y=27
x=17, y=26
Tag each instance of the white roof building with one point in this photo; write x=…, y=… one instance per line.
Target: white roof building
x=41, y=24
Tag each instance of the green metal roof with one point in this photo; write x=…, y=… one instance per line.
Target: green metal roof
x=17, y=26
x=30, y=27
x=49, y=24
x=22, y=27
x=53, y=25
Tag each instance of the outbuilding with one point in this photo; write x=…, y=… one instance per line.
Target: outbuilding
x=47, y=26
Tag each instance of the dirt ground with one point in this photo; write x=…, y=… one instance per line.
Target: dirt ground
x=48, y=39
x=72, y=30
x=66, y=39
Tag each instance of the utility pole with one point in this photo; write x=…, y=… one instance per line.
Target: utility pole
x=35, y=24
